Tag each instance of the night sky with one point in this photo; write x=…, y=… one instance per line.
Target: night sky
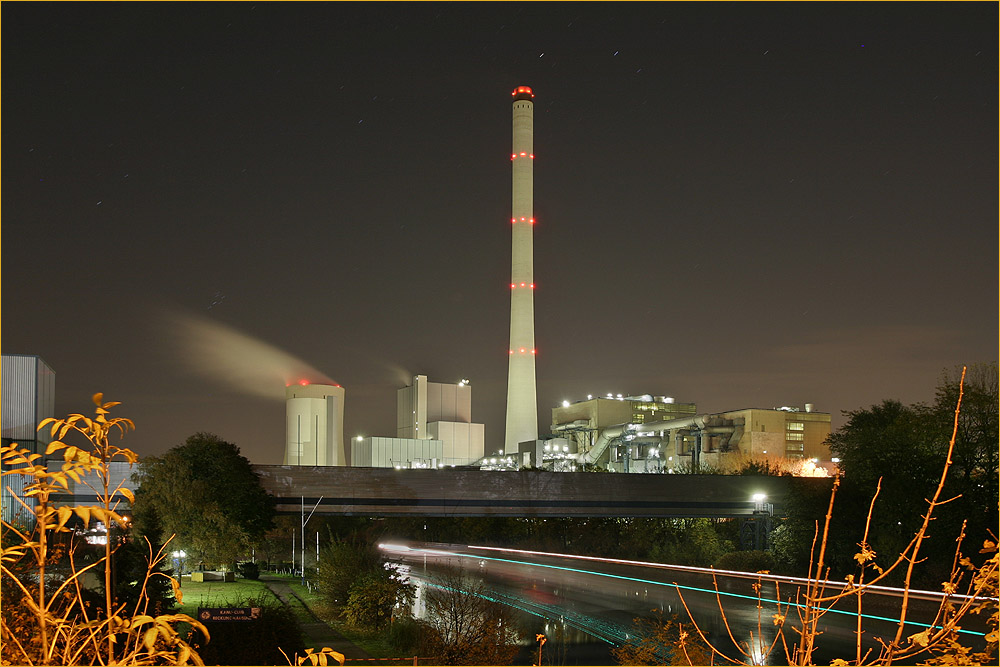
x=738, y=205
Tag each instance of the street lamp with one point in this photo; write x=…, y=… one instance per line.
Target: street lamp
x=178, y=562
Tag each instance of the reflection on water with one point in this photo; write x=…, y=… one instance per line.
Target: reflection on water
x=579, y=634
x=565, y=644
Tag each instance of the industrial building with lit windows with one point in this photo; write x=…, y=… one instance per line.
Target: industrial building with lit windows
x=639, y=434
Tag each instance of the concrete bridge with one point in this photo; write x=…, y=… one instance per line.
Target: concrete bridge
x=526, y=493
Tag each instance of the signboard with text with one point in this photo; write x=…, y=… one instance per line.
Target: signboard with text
x=215, y=614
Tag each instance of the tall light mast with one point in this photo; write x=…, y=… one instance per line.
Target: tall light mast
x=522, y=409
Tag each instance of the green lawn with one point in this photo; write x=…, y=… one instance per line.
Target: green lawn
x=218, y=593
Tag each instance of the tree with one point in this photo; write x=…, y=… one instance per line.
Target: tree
x=968, y=588
x=343, y=562
x=373, y=598
x=354, y=577
x=208, y=495
x=659, y=641
x=902, y=449
x=466, y=627
x=974, y=472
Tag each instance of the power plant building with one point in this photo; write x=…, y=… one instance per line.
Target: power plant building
x=399, y=453
x=27, y=396
x=676, y=439
x=442, y=412
x=314, y=419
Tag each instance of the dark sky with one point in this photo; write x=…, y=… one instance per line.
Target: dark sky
x=738, y=205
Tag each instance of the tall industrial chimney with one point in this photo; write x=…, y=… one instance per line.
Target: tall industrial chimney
x=522, y=410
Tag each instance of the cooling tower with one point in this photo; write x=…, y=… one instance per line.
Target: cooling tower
x=314, y=417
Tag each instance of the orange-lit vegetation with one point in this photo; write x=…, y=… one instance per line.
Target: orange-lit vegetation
x=48, y=615
x=969, y=589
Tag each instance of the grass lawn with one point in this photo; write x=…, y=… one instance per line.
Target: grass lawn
x=218, y=593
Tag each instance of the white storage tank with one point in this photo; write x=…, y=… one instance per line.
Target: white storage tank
x=314, y=425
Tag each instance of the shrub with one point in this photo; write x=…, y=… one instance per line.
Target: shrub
x=249, y=570
x=404, y=634
x=746, y=561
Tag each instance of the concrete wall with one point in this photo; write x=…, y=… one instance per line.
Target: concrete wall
x=463, y=443
x=456, y=492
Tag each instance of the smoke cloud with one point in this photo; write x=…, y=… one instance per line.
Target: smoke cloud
x=237, y=360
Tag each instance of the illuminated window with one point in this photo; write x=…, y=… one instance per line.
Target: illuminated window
x=795, y=426
x=798, y=437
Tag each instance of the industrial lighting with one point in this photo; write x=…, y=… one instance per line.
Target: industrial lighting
x=565, y=404
x=359, y=438
x=590, y=396
x=834, y=460
x=759, y=497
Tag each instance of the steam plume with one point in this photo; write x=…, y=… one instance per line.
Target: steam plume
x=237, y=360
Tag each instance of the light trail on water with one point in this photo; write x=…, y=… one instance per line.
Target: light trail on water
x=672, y=585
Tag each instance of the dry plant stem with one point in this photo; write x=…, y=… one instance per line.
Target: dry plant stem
x=861, y=578
x=722, y=613
x=921, y=534
x=701, y=634
x=814, y=590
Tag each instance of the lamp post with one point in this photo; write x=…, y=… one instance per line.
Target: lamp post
x=757, y=527
x=178, y=564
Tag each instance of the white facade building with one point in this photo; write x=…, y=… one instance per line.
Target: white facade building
x=437, y=411
x=379, y=452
